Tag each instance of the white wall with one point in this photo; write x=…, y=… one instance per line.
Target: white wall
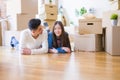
x=70, y=5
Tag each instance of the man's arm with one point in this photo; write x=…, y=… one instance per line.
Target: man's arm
x=22, y=43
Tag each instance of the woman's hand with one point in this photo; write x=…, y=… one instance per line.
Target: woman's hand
x=53, y=50
x=26, y=51
x=66, y=49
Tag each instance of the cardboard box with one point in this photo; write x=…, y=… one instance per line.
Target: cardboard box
x=88, y=42
x=113, y=40
x=48, y=8
x=0, y=34
x=19, y=21
x=22, y=6
x=90, y=26
x=47, y=16
x=48, y=12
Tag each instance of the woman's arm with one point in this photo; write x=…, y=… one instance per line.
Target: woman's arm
x=50, y=40
x=67, y=48
x=68, y=40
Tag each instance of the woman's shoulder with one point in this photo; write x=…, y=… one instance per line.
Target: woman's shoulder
x=66, y=33
x=50, y=37
x=50, y=33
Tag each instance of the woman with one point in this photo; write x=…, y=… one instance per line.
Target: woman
x=58, y=40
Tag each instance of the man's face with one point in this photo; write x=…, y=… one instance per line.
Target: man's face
x=38, y=31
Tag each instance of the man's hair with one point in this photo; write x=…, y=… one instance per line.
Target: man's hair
x=34, y=23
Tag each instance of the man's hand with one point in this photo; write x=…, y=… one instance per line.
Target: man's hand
x=26, y=51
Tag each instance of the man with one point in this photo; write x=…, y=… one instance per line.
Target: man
x=34, y=39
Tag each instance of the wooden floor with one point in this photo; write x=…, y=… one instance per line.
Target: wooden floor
x=74, y=66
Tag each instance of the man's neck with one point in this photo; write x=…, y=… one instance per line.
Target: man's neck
x=35, y=36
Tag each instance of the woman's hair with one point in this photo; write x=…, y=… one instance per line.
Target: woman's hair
x=63, y=35
x=34, y=23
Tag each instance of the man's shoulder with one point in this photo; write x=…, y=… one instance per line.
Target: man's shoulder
x=25, y=31
x=44, y=32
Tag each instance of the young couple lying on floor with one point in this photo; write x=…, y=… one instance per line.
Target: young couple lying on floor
x=36, y=40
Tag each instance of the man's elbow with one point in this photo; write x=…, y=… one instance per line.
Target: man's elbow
x=45, y=50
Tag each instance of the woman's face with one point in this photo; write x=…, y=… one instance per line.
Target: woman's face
x=57, y=30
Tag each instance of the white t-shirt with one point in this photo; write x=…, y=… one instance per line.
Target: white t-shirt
x=37, y=46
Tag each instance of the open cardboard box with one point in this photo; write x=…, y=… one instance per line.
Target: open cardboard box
x=90, y=26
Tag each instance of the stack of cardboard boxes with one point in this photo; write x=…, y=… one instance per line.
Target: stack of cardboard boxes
x=112, y=38
x=20, y=12
x=89, y=37
x=48, y=12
